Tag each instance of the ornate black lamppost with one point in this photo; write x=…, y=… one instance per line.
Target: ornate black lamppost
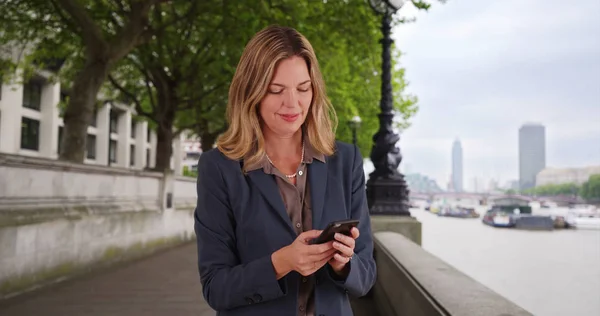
x=387, y=192
x=354, y=125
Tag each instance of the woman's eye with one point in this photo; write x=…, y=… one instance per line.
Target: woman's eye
x=275, y=91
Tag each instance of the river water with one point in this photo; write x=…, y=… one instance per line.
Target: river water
x=547, y=273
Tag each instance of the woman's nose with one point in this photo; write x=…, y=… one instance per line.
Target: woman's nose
x=291, y=99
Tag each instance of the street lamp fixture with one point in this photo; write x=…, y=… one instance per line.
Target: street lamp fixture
x=354, y=125
x=387, y=191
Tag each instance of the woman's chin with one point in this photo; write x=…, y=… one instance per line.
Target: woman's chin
x=287, y=130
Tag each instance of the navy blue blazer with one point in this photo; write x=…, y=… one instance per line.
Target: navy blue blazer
x=240, y=220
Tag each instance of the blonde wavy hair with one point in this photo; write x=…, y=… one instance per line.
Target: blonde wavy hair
x=249, y=86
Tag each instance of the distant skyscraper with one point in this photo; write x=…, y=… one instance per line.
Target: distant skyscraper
x=457, y=166
x=532, y=153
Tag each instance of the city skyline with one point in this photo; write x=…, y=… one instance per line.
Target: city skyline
x=501, y=67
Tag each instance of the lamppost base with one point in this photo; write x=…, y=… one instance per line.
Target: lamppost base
x=388, y=196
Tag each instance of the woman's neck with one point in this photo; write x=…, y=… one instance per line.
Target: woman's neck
x=278, y=147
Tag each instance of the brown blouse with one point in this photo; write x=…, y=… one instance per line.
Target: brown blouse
x=296, y=199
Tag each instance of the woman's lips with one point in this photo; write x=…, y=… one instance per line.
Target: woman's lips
x=289, y=117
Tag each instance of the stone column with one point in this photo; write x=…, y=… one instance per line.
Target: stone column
x=153, y=142
x=178, y=154
x=49, y=121
x=103, y=134
x=10, y=117
x=124, y=131
x=140, y=144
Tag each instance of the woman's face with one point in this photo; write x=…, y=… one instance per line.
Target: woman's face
x=289, y=95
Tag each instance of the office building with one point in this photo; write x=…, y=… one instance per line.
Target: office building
x=457, y=166
x=532, y=154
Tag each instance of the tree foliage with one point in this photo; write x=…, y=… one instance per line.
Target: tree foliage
x=99, y=33
x=174, y=60
x=590, y=190
x=201, y=55
x=554, y=190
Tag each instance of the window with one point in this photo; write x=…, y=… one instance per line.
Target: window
x=148, y=158
x=60, y=134
x=132, y=155
x=32, y=94
x=114, y=119
x=192, y=155
x=112, y=151
x=148, y=133
x=90, y=146
x=64, y=99
x=133, y=124
x=30, y=134
x=94, y=117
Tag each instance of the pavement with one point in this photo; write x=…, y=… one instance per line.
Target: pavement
x=165, y=283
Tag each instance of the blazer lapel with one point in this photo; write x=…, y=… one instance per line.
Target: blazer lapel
x=317, y=177
x=267, y=186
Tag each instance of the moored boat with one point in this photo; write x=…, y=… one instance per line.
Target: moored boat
x=498, y=218
x=584, y=218
x=459, y=212
x=534, y=222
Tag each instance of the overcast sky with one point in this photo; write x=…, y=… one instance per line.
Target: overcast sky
x=482, y=68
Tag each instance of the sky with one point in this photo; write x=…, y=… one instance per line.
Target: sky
x=483, y=68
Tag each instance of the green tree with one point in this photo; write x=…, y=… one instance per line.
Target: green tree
x=554, y=189
x=99, y=33
x=590, y=190
x=181, y=79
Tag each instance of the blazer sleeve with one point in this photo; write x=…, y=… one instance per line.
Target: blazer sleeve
x=226, y=282
x=363, y=270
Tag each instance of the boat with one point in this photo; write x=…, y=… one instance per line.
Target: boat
x=498, y=218
x=516, y=213
x=459, y=212
x=534, y=222
x=584, y=218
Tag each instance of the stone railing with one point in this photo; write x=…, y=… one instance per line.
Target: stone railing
x=411, y=281
x=59, y=218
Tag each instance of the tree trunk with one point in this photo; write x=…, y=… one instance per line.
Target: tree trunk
x=207, y=140
x=164, y=133
x=80, y=109
x=164, y=146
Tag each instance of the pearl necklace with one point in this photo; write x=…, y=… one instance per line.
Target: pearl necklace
x=289, y=176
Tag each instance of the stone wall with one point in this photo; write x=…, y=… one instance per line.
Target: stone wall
x=411, y=281
x=58, y=218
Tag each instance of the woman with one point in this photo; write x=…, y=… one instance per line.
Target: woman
x=275, y=180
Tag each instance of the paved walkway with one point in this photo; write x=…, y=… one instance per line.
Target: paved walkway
x=164, y=284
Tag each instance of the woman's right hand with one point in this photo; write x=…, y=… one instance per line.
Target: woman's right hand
x=302, y=257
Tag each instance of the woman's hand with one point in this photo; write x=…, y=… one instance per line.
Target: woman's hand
x=345, y=250
x=302, y=257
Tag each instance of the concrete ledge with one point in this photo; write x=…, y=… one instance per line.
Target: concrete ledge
x=36, y=253
x=185, y=179
x=411, y=281
x=20, y=161
x=407, y=226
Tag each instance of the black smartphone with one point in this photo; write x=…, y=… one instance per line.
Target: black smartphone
x=342, y=227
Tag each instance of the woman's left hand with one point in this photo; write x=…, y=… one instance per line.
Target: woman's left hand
x=345, y=246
